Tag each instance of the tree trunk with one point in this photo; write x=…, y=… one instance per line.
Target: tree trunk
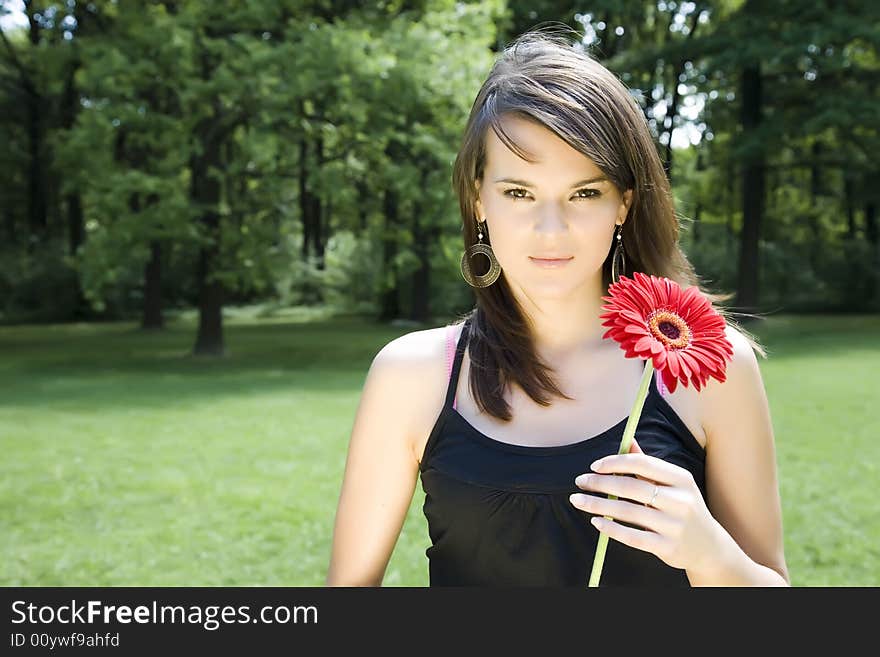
x=752, y=194
x=850, y=207
x=816, y=241
x=730, y=176
x=363, y=193
x=76, y=227
x=871, y=231
x=9, y=224
x=677, y=72
x=69, y=109
x=37, y=209
x=152, y=318
x=421, y=283
x=326, y=214
x=670, y=114
x=872, y=234
x=205, y=193
x=75, y=222
x=700, y=166
x=37, y=213
x=305, y=202
x=209, y=340
x=310, y=205
x=390, y=303
x=815, y=172
x=315, y=248
x=317, y=208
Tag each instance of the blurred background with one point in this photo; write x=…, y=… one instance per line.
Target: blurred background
x=214, y=214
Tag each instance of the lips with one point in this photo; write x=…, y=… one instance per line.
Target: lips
x=551, y=258
x=551, y=263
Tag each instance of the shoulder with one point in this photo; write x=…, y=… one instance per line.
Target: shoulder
x=414, y=351
x=743, y=367
x=411, y=370
x=741, y=396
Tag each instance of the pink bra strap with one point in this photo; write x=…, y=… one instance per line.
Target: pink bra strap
x=661, y=386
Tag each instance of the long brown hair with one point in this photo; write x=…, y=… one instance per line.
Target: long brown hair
x=543, y=78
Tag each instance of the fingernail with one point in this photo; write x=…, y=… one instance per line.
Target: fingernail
x=597, y=465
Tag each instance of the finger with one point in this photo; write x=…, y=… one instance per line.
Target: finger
x=635, y=448
x=630, y=488
x=642, y=464
x=635, y=514
x=646, y=541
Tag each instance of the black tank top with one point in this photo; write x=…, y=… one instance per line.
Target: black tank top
x=499, y=514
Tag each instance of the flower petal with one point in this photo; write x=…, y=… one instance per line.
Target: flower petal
x=692, y=363
x=660, y=360
x=685, y=369
x=644, y=343
x=629, y=303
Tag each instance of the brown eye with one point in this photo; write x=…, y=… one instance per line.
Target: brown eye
x=516, y=189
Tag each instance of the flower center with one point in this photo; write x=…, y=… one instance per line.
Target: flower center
x=669, y=328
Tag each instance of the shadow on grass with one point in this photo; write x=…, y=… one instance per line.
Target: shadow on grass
x=118, y=364
x=114, y=365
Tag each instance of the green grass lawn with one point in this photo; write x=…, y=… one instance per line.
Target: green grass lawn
x=126, y=462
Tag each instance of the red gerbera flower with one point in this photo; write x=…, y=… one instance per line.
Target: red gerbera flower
x=652, y=317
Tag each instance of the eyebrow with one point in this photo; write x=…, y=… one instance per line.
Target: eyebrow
x=525, y=183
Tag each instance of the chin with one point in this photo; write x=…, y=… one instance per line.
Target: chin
x=552, y=290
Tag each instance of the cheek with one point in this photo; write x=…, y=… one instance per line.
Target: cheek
x=608, y=207
x=505, y=243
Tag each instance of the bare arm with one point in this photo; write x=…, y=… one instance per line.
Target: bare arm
x=742, y=485
x=380, y=472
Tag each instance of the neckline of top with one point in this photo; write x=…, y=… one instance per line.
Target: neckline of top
x=612, y=431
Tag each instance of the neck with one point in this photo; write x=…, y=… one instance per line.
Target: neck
x=567, y=326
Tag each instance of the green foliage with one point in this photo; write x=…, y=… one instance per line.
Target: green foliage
x=297, y=279
x=349, y=116
x=714, y=256
x=350, y=278
x=38, y=286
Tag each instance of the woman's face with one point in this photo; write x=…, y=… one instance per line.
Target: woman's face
x=547, y=209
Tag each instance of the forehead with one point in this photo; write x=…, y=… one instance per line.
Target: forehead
x=546, y=149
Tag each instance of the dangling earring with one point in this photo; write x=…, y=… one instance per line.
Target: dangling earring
x=618, y=260
x=485, y=249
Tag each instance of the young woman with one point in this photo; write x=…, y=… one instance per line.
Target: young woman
x=503, y=413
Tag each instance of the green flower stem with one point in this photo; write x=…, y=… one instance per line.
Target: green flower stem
x=625, y=444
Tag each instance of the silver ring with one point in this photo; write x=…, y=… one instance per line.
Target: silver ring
x=654, y=496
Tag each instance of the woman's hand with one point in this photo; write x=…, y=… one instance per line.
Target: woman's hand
x=679, y=529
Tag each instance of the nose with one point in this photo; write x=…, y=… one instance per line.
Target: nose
x=551, y=219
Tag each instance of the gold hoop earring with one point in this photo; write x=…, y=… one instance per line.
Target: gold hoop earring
x=479, y=248
x=618, y=260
